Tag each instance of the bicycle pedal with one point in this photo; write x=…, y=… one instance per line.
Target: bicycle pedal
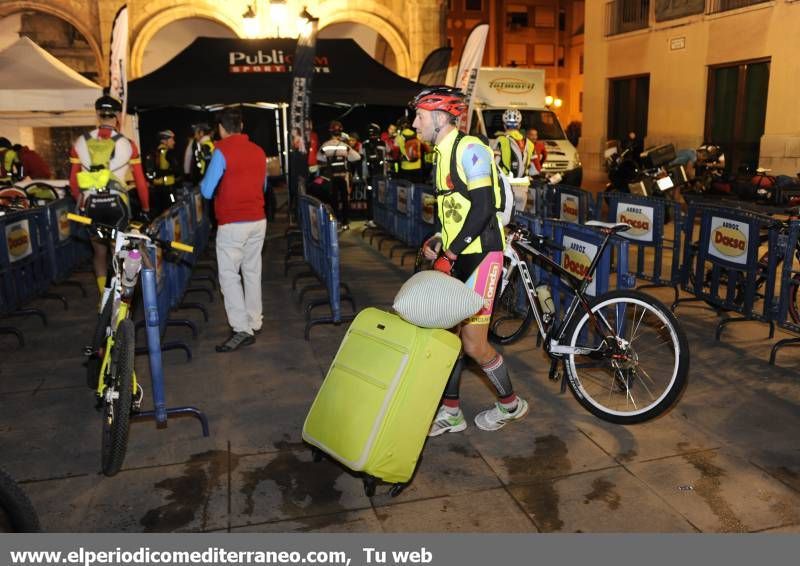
x=554, y=374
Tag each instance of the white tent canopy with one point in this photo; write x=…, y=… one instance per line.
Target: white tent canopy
x=32, y=80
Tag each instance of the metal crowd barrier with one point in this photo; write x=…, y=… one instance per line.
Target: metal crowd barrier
x=581, y=243
x=65, y=248
x=569, y=204
x=788, y=312
x=722, y=264
x=649, y=236
x=321, y=248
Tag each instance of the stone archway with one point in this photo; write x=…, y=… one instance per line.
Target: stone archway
x=153, y=24
x=331, y=15
x=74, y=15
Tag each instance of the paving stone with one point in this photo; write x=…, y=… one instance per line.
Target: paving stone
x=486, y=511
x=608, y=501
x=718, y=492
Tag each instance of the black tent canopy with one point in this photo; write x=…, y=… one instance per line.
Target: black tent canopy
x=226, y=71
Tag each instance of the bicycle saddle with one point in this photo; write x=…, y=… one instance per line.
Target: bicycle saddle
x=613, y=227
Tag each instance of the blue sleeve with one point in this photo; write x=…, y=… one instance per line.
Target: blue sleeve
x=216, y=167
x=477, y=163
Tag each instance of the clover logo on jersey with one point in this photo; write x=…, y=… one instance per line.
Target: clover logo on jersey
x=452, y=210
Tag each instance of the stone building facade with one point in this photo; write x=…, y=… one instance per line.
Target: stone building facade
x=412, y=28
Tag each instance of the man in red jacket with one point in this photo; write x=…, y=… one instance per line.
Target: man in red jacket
x=236, y=177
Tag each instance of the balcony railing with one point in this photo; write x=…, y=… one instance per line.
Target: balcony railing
x=623, y=16
x=716, y=6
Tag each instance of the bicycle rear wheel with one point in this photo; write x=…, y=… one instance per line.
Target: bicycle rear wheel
x=17, y=514
x=512, y=313
x=118, y=399
x=95, y=359
x=644, y=370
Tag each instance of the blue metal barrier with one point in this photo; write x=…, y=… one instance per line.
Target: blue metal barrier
x=423, y=214
x=65, y=250
x=721, y=264
x=403, y=211
x=381, y=204
x=581, y=243
x=321, y=245
x=387, y=197
x=649, y=235
x=570, y=204
x=788, y=313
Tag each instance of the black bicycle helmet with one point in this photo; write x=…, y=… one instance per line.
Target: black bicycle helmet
x=107, y=105
x=374, y=130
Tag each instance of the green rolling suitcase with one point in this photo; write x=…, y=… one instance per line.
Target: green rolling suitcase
x=375, y=407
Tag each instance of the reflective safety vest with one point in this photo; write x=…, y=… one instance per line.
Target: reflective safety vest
x=515, y=152
x=450, y=181
x=410, y=150
x=101, y=152
x=202, y=154
x=9, y=165
x=165, y=175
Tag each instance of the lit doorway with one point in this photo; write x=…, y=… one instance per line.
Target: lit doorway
x=736, y=109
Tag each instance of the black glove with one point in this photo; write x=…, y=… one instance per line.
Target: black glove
x=144, y=217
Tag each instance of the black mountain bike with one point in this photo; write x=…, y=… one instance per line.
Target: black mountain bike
x=625, y=356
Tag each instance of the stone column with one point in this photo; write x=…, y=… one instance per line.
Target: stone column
x=426, y=30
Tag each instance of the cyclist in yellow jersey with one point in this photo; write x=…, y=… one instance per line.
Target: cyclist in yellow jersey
x=469, y=247
x=513, y=151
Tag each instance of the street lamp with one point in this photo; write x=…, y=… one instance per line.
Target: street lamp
x=250, y=21
x=548, y=101
x=278, y=13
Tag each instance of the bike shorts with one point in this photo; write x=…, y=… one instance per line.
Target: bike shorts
x=482, y=274
x=109, y=207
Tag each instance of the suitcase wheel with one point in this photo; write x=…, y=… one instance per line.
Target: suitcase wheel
x=369, y=485
x=316, y=454
x=397, y=489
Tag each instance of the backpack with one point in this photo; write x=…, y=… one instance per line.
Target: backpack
x=413, y=149
x=505, y=208
x=101, y=152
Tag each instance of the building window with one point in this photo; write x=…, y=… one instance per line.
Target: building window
x=561, y=56
x=473, y=5
x=580, y=102
x=544, y=17
x=517, y=17
x=580, y=65
x=628, y=105
x=543, y=54
x=516, y=53
x=562, y=19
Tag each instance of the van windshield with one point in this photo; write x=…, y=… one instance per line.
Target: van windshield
x=544, y=121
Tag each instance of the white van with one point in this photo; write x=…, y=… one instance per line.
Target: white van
x=500, y=88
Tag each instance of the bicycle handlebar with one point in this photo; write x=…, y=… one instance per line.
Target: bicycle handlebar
x=179, y=246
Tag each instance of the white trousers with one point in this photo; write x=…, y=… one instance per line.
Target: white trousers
x=239, y=249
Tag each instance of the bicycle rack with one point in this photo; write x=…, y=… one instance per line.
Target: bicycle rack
x=154, y=347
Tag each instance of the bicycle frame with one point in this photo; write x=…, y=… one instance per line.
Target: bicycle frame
x=552, y=337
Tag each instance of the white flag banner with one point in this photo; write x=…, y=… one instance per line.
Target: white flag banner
x=471, y=59
x=118, y=65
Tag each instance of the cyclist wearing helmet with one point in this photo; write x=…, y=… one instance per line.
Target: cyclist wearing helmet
x=334, y=156
x=471, y=248
x=374, y=155
x=10, y=164
x=166, y=172
x=410, y=152
x=101, y=160
x=198, y=152
x=513, y=151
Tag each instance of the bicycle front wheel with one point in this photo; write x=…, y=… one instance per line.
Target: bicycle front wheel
x=118, y=399
x=512, y=313
x=17, y=514
x=636, y=373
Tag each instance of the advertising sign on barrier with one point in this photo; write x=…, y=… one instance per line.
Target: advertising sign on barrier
x=313, y=221
x=177, y=235
x=402, y=199
x=640, y=219
x=382, y=191
x=428, y=209
x=569, y=208
x=64, y=227
x=18, y=240
x=198, y=206
x=729, y=240
x=159, y=266
x=576, y=259
x=530, y=204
